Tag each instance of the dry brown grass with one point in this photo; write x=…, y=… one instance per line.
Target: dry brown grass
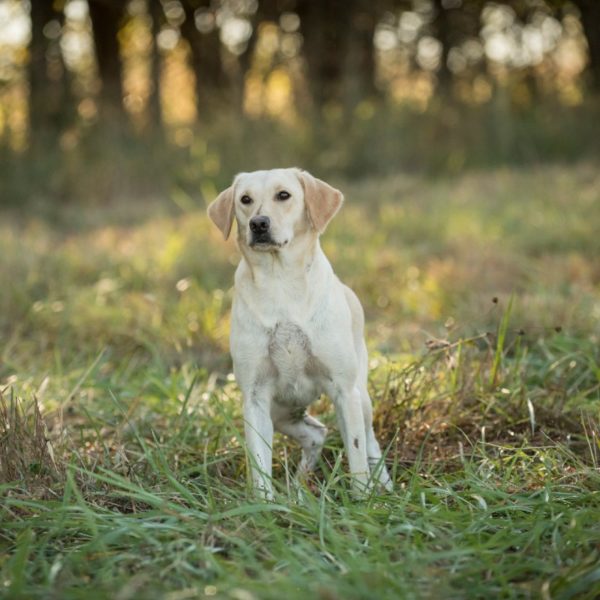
x=26, y=453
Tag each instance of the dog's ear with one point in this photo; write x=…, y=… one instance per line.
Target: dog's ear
x=220, y=211
x=322, y=200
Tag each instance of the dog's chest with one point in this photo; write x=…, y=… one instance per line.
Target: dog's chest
x=297, y=372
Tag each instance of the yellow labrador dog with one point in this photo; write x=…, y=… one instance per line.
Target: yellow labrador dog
x=296, y=330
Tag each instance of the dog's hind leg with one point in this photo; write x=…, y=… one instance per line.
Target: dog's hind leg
x=310, y=434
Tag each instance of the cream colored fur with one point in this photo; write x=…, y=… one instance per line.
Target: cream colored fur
x=296, y=330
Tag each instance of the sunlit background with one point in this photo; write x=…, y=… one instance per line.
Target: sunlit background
x=200, y=89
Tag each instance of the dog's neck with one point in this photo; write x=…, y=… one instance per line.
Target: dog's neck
x=292, y=271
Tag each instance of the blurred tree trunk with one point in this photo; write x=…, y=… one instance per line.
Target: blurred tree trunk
x=339, y=51
x=361, y=64
x=590, y=20
x=154, y=104
x=453, y=23
x=106, y=16
x=442, y=31
x=205, y=49
x=49, y=104
x=325, y=26
x=267, y=10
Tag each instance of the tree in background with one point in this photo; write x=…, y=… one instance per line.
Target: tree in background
x=199, y=28
x=157, y=17
x=453, y=23
x=106, y=17
x=50, y=100
x=590, y=20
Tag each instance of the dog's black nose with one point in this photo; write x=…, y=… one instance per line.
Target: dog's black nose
x=260, y=224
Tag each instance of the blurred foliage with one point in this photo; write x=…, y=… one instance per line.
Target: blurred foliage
x=100, y=170
x=102, y=100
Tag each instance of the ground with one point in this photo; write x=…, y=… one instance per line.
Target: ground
x=122, y=467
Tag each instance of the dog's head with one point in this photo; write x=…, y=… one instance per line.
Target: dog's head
x=274, y=208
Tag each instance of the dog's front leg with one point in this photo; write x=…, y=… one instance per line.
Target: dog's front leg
x=259, y=440
x=350, y=418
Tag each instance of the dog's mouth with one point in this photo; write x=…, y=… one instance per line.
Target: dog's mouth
x=263, y=242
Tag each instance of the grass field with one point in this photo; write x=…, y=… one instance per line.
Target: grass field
x=122, y=466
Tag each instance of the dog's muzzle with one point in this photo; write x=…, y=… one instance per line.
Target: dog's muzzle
x=260, y=228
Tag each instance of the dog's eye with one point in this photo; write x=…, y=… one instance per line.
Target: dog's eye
x=283, y=195
x=246, y=200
